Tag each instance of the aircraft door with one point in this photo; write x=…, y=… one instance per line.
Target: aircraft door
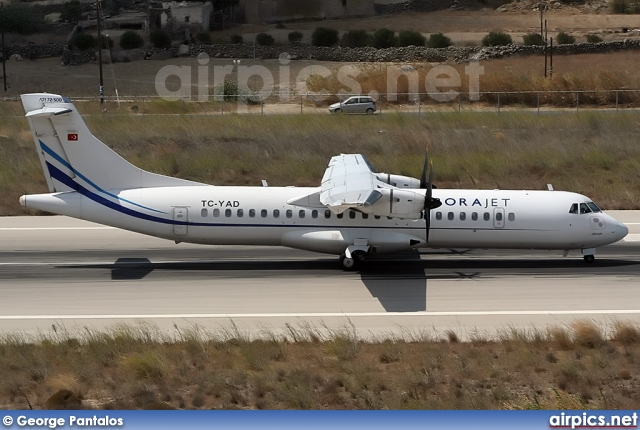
x=498, y=218
x=181, y=216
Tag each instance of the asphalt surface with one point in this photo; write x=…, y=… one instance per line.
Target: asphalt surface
x=59, y=271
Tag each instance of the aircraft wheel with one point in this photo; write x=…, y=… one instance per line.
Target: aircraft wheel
x=348, y=263
x=589, y=258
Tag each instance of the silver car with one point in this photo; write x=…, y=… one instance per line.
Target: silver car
x=355, y=104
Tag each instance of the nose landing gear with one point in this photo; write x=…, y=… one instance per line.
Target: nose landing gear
x=589, y=255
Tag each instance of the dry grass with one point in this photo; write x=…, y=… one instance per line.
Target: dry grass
x=593, y=153
x=137, y=367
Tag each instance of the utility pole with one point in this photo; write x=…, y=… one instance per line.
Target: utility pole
x=99, y=13
x=4, y=56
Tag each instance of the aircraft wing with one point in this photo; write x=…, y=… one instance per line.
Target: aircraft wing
x=349, y=182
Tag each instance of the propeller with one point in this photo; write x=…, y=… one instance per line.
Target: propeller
x=426, y=182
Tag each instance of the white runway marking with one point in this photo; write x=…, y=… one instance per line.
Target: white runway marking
x=327, y=314
x=54, y=228
x=632, y=238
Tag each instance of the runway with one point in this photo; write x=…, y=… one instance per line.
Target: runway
x=56, y=270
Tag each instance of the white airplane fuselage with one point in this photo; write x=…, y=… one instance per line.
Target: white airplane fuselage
x=230, y=215
x=354, y=212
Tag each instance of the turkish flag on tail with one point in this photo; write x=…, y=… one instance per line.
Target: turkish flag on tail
x=72, y=137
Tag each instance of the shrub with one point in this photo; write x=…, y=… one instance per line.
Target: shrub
x=384, y=38
x=439, y=40
x=84, y=41
x=324, y=37
x=131, y=40
x=533, y=39
x=71, y=11
x=410, y=38
x=593, y=38
x=160, y=38
x=264, y=39
x=295, y=37
x=619, y=6
x=237, y=39
x=355, y=39
x=205, y=38
x=496, y=38
x=565, y=38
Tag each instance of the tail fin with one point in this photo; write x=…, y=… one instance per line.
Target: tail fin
x=71, y=156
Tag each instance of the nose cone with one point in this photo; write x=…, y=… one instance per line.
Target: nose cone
x=620, y=231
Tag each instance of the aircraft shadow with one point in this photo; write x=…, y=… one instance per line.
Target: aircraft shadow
x=399, y=283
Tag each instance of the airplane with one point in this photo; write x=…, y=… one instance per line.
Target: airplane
x=355, y=212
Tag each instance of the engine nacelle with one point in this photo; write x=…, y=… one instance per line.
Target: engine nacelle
x=397, y=203
x=398, y=181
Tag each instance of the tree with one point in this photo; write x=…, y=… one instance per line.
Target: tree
x=131, y=40
x=20, y=18
x=496, y=38
x=439, y=40
x=355, y=39
x=84, y=41
x=204, y=38
x=565, y=38
x=324, y=37
x=71, y=11
x=160, y=38
x=410, y=38
x=384, y=38
x=264, y=39
x=533, y=39
x=295, y=37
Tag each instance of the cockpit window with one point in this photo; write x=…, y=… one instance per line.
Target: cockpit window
x=584, y=208
x=593, y=207
x=574, y=209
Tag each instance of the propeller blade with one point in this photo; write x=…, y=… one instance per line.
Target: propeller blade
x=423, y=177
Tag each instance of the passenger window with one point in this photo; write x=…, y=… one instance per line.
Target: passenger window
x=487, y=216
x=352, y=214
x=474, y=216
x=584, y=209
x=498, y=216
x=227, y=213
x=463, y=216
x=450, y=216
x=216, y=213
x=512, y=216
x=314, y=214
x=204, y=212
x=438, y=215
x=340, y=215
x=327, y=213
x=263, y=213
x=574, y=209
x=240, y=213
x=365, y=216
x=276, y=213
x=376, y=216
x=289, y=213
x=301, y=213
x=252, y=213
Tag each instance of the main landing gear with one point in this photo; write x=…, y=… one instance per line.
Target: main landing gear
x=353, y=256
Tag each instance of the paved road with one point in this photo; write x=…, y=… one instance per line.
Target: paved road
x=55, y=270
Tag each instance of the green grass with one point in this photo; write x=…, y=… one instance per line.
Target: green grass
x=581, y=366
x=594, y=153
